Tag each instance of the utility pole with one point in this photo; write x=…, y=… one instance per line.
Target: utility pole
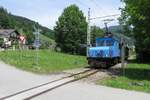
x=88, y=33
x=122, y=53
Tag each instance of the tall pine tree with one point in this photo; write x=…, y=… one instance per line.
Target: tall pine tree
x=5, y=21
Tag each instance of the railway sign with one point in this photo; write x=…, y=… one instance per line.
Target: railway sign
x=36, y=43
x=22, y=38
x=22, y=41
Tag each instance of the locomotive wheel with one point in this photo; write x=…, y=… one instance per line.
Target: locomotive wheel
x=98, y=64
x=116, y=61
x=91, y=63
x=103, y=65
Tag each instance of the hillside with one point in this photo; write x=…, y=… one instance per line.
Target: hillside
x=115, y=29
x=22, y=21
x=23, y=25
x=47, y=43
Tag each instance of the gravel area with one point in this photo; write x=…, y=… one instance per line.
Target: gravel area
x=101, y=74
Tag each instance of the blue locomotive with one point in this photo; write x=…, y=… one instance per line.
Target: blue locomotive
x=107, y=52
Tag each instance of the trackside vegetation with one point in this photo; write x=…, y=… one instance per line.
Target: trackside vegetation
x=49, y=61
x=70, y=30
x=137, y=77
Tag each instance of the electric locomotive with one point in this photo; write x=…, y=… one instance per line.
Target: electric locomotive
x=106, y=53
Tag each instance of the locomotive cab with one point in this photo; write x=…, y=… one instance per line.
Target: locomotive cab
x=105, y=53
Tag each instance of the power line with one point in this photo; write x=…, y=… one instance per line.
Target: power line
x=81, y=3
x=98, y=6
x=104, y=16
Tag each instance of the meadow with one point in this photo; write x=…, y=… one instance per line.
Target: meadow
x=48, y=61
x=136, y=77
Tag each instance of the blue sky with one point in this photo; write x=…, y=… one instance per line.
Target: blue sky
x=46, y=12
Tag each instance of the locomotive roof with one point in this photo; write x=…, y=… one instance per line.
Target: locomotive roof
x=106, y=38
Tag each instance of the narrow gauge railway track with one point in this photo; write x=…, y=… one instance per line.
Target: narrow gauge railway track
x=33, y=92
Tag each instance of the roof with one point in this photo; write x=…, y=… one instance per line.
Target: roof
x=105, y=38
x=7, y=32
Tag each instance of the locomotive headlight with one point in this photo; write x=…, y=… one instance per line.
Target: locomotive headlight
x=106, y=55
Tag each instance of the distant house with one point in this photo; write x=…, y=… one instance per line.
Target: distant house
x=7, y=37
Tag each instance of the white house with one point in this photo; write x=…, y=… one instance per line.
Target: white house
x=8, y=36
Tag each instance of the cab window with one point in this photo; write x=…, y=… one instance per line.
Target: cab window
x=105, y=43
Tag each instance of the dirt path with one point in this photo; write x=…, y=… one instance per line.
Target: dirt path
x=14, y=80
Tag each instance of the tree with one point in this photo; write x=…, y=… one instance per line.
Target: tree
x=5, y=21
x=70, y=30
x=136, y=13
x=96, y=32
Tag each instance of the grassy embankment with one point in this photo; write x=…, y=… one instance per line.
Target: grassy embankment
x=49, y=61
x=137, y=77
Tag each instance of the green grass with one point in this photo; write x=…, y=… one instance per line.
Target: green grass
x=137, y=77
x=45, y=38
x=49, y=61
